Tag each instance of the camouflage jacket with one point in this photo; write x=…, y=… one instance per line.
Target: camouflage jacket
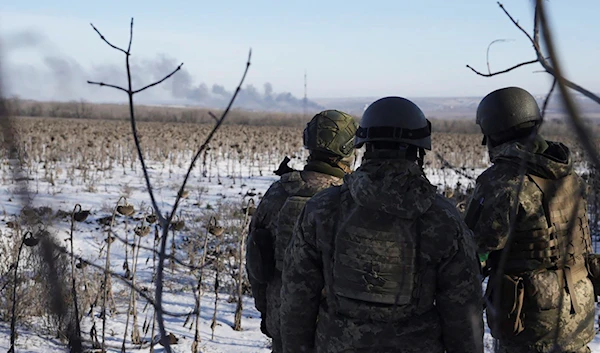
x=488, y=215
x=266, y=296
x=442, y=311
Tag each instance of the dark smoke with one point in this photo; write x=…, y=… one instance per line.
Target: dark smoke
x=61, y=78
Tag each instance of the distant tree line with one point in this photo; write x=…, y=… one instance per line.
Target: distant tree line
x=197, y=115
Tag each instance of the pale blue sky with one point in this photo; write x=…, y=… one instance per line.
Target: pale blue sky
x=349, y=48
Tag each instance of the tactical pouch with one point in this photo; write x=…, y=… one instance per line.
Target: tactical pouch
x=260, y=258
x=593, y=265
x=505, y=317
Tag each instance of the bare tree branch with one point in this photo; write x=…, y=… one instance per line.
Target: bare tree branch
x=457, y=170
x=212, y=115
x=130, y=37
x=536, y=29
x=575, y=119
x=102, y=84
x=109, y=43
x=548, y=98
x=487, y=53
x=516, y=23
x=159, y=82
x=503, y=71
x=170, y=257
x=130, y=94
x=570, y=84
x=141, y=291
x=163, y=242
x=542, y=59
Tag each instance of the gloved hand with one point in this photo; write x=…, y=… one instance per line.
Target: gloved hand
x=263, y=325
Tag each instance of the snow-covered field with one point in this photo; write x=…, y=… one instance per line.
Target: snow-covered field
x=208, y=196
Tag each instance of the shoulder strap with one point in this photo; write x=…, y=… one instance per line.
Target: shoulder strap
x=547, y=188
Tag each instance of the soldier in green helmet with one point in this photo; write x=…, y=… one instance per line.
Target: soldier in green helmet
x=542, y=299
x=329, y=137
x=382, y=263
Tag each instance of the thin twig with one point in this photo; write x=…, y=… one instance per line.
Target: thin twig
x=130, y=94
x=142, y=292
x=543, y=60
x=170, y=257
x=213, y=116
x=447, y=164
x=159, y=82
x=163, y=241
x=130, y=37
x=102, y=84
x=487, y=53
x=548, y=98
x=568, y=102
x=516, y=23
x=106, y=40
x=503, y=71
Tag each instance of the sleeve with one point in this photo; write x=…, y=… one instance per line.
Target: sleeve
x=263, y=218
x=301, y=287
x=488, y=216
x=459, y=297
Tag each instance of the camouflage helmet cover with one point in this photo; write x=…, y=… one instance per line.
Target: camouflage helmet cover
x=394, y=119
x=331, y=131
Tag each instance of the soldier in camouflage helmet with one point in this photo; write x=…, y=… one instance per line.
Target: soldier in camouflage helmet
x=329, y=137
x=383, y=263
x=545, y=280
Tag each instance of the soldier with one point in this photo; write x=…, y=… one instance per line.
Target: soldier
x=329, y=137
x=544, y=281
x=383, y=263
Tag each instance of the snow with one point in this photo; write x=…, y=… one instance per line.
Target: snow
x=207, y=197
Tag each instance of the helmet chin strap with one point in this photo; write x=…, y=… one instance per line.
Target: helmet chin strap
x=343, y=166
x=421, y=157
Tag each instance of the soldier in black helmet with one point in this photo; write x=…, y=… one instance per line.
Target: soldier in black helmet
x=329, y=137
x=544, y=286
x=383, y=263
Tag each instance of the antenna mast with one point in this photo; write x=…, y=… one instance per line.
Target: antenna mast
x=305, y=99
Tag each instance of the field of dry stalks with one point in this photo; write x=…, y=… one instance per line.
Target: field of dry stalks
x=87, y=186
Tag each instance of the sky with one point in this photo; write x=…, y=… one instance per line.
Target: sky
x=347, y=48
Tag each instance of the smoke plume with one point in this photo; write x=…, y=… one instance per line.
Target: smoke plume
x=59, y=77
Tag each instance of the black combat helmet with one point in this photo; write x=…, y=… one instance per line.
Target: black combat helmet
x=505, y=113
x=394, y=119
x=332, y=132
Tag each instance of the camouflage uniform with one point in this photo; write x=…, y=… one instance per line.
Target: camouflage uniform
x=267, y=214
x=381, y=264
x=488, y=214
x=330, y=138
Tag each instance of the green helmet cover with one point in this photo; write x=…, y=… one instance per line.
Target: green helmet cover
x=331, y=131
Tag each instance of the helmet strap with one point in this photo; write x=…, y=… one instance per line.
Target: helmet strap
x=343, y=166
x=334, y=161
x=421, y=157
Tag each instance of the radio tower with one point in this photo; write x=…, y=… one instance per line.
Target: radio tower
x=305, y=101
